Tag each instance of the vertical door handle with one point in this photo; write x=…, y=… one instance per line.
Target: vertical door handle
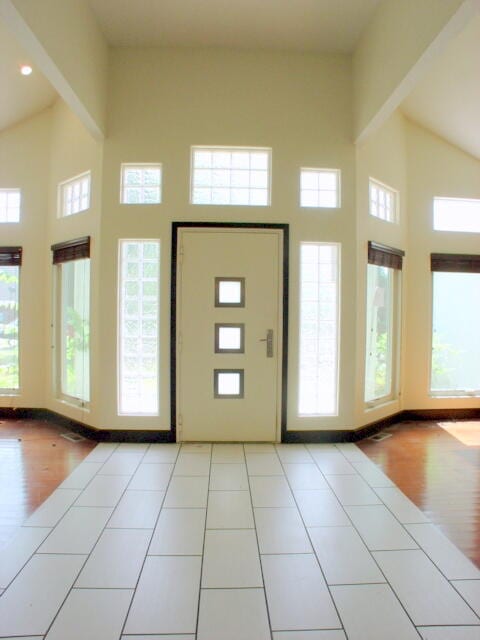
x=269, y=341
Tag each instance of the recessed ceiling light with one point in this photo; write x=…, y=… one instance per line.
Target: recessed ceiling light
x=26, y=69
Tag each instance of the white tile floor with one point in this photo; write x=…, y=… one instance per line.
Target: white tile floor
x=233, y=542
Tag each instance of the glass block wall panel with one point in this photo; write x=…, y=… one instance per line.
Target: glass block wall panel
x=320, y=188
x=456, y=214
x=319, y=313
x=9, y=362
x=383, y=201
x=10, y=205
x=138, y=327
x=237, y=176
x=141, y=184
x=74, y=195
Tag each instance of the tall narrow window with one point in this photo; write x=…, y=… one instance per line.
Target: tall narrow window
x=455, y=336
x=139, y=272
x=10, y=261
x=382, y=324
x=10, y=205
x=319, y=325
x=72, y=320
x=74, y=195
x=383, y=201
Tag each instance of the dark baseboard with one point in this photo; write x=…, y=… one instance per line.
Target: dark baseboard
x=129, y=435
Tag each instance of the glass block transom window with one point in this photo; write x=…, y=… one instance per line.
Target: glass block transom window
x=231, y=176
x=74, y=195
x=319, y=329
x=138, y=327
x=9, y=205
x=383, y=201
x=141, y=184
x=320, y=188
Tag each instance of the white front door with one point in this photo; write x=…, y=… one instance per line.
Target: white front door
x=229, y=334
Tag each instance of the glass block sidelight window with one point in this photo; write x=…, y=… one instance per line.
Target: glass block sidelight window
x=138, y=327
x=10, y=205
x=10, y=260
x=231, y=176
x=319, y=329
x=456, y=214
x=141, y=184
x=74, y=195
x=320, y=188
x=383, y=201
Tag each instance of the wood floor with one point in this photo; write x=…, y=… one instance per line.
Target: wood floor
x=437, y=465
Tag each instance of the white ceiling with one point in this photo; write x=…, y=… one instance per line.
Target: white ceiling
x=447, y=100
x=293, y=25
x=20, y=96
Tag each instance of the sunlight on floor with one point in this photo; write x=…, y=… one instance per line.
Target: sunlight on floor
x=467, y=432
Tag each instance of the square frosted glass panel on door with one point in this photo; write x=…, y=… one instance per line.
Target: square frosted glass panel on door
x=228, y=383
x=74, y=195
x=10, y=205
x=455, y=334
x=456, y=214
x=9, y=362
x=230, y=176
x=320, y=188
x=138, y=327
x=229, y=292
x=229, y=338
x=141, y=184
x=383, y=201
x=319, y=296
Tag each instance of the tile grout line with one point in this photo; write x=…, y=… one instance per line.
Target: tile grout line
x=203, y=546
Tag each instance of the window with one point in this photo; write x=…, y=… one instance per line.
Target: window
x=10, y=205
x=382, y=327
x=383, y=201
x=236, y=176
x=74, y=195
x=456, y=214
x=320, y=188
x=319, y=325
x=72, y=320
x=10, y=261
x=456, y=314
x=139, y=272
x=141, y=184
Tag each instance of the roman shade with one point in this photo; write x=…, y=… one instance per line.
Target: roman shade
x=10, y=256
x=71, y=250
x=384, y=256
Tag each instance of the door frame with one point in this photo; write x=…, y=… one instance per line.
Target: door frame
x=176, y=226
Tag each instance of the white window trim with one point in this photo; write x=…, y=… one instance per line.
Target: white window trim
x=18, y=391
x=396, y=200
x=142, y=165
x=60, y=192
x=338, y=174
x=14, y=190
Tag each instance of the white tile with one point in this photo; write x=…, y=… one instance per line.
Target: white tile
x=102, y=452
x=231, y=560
x=352, y=490
x=179, y=532
x=372, y=612
x=187, y=492
x=229, y=510
x=138, y=448
x=54, y=507
x=25, y=637
x=351, y=452
x=321, y=509
x=343, y=557
x=332, y=463
x=192, y=464
x=322, y=447
x=228, y=477
x=16, y=553
x=121, y=464
x=372, y=474
x=81, y=476
x=379, y=529
x=78, y=531
x=162, y=637
x=259, y=447
x=228, y=453
x=263, y=464
x=233, y=614
x=137, y=510
x=310, y=635
x=293, y=453
x=151, y=477
x=103, y=491
x=401, y=507
x=281, y=530
x=162, y=453
x=305, y=477
x=470, y=590
x=196, y=447
x=271, y=491
x=450, y=560
x=116, y=560
x=449, y=633
x=297, y=595
x=33, y=591
x=96, y=614
x=166, y=599
x=427, y=596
